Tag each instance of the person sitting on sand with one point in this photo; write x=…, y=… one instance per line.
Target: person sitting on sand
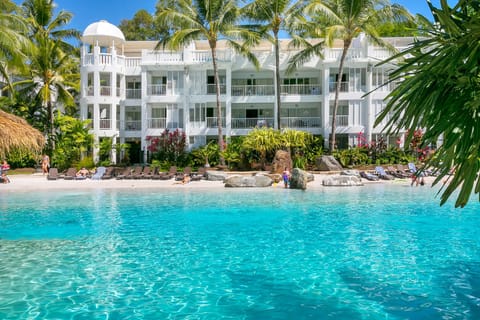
x=185, y=180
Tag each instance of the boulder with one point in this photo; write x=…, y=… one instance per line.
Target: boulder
x=342, y=181
x=354, y=173
x=281, y=161
x=216, y=175
x=257, y=181
x=276, y=177
x=328, y=163
x=299, y=179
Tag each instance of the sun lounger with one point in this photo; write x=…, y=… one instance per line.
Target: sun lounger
x=108, y=173
x=52, y=174
x=71, y=174
x=99, y=173
x=127, y=171
x=186, y=171
x=382, y=174
x=135, y=173
x=397, y=173
x=170, y=174
x=199, y=175
x=146, y=173
x=369, y=176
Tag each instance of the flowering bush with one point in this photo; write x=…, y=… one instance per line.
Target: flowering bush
x=168, y=147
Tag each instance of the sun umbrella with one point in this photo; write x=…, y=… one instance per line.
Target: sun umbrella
x=16, y=133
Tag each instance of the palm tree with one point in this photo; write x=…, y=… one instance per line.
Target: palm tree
x=274, y=16
x=438, y=92
x=211, y=20
x=346, y=20
x=52, y=74
x=12, y=40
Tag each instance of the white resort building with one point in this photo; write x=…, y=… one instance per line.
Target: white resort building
x=131, y=91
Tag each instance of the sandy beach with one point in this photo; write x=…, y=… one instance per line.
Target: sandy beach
x=35, y=182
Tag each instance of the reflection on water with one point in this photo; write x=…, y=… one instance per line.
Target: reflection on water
x=373, y=253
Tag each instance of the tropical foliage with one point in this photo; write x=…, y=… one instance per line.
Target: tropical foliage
x=439, y=93
x=72, y=141
x=346, y=20
x=169, y=147
x=211, y=20
x=272, y=17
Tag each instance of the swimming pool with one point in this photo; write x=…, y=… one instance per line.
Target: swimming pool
x=375, y=252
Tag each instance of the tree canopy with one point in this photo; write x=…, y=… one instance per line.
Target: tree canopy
x=439, y=93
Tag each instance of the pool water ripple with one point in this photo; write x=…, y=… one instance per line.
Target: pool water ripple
x=368, y=253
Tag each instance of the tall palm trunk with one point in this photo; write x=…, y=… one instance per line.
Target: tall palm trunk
x=51, y=127
x=277, y=77
x=346, y=45
x=221, y=144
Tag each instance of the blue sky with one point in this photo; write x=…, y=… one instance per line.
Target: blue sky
x=88, y=11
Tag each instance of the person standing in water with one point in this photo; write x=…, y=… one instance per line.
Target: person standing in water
x=286, y=177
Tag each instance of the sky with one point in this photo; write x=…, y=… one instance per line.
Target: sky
x=86, y=12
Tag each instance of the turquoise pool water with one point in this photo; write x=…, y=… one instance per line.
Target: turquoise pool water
x=376, y=252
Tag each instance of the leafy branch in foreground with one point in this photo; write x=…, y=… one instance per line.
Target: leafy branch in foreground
x=440, y=93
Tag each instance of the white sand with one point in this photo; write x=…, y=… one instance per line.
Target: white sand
x=34, y=182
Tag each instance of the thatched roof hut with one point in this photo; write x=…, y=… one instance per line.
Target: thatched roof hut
x=17, y=134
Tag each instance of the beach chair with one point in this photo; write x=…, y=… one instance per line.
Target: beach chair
x=382, y=174
x=109, y=171
x=170, y=174
x=199, y=175
x=71, y=174
x=99, y=173
x=397, y=173
x=186, y=171
x=146, y=173
x=135, y=173
x=127, y=171
x=52, y=174
x=369, y=176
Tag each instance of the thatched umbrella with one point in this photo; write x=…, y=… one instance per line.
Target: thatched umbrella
x=17, y=134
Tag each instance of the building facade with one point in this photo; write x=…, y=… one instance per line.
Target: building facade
x=131, y=91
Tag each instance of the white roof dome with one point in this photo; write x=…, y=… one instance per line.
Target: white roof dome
x=102, y=32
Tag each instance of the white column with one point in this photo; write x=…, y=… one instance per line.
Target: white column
x=326, y=104
x=228, y=102
x=370, y=114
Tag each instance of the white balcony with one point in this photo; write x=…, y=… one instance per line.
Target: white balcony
x=256, y=90
x=300, y=89
x=249, y=123
x=300, y=122
x=134, y=93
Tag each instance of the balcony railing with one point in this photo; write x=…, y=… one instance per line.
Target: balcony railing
x=206, y=56
x=342, y=120
x=157, y=89
x=300, y=122
x=211, y=89
x=133, y=125
x=336, y=53
x=256, y=90
x=132, y=62
x=157, y=123
x=134, y=93
x=212, y=122
x=343, y=86
x=105, y=59
x=163, y=57
x=300, y=89
x=105, y=90
x=105, y=124
x=248, y=123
